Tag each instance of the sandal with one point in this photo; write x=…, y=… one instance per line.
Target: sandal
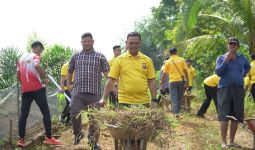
x=234, y=145
x=224, y=146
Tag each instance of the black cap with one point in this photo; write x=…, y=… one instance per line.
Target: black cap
x=172, y=50
x=233, y=40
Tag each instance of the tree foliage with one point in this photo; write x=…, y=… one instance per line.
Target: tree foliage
x=8, y=59
x=199, y=29
x=54, y=57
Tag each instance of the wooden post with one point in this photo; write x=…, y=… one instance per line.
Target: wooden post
x=253, y=140
x=10, y=133
x=116, y=142
x=18, y=104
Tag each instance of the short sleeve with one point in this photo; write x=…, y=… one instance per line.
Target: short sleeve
x=115, y=70
x=64, y=70
x=72, y=64
x=104, y=64
x=151, y=70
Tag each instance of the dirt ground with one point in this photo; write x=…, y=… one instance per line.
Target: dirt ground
x=189, y=133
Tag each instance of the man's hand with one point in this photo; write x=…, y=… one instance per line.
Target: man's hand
x=62, y=90
x=45, y=82
x=154, y=102
x=102, y=102
x=70, y=88
x=230, y=56
x=186, y=85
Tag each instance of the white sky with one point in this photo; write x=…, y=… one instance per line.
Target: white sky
x=64, y=21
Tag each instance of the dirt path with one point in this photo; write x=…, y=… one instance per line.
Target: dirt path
x=191, y=133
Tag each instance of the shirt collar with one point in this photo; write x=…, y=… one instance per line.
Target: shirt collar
x=237, y=54
x=139, y=55
x=173, y=56
x=88, y=52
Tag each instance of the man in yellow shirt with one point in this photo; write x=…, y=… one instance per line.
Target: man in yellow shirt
x=211, y=87
x=187, y=95
x=251, y=76
x=135, y=72
x=178, y=78
x=113, y=98
x=191, y=72
x=65, y=115
x=116, y=53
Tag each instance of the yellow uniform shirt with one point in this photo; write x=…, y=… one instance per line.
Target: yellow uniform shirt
x=247, y=83
x=212, y=80
x=171, y=66
x=251, y=73
x=133, y=73
x=64, y=71
x=192, y=74
x=111, y=61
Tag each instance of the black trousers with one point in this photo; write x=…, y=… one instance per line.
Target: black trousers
x=40, y=98
x=211, y=93
x=65, y=115
x=253, y=91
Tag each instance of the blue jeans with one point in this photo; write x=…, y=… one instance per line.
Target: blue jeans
x=176, y=92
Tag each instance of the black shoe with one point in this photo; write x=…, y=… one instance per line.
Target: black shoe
x=200, y=115
x=95, y=147
x=78, y=138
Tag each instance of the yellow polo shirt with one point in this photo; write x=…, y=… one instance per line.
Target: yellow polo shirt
x=111, y=61
x=247, y=83
x=64, y=71
x=192, y=74
x=133, y=73
x=251, y=73
x=212, y=80
x=171, y=69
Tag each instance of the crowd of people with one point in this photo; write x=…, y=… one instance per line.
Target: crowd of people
x=129, y=77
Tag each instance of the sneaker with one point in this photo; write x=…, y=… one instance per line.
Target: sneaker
x=51, y=141
x=95, y=147
x=78, y=138
x=234, y=145
x=21, y=142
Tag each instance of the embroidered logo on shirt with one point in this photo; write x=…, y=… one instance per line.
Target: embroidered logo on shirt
x=144, y=65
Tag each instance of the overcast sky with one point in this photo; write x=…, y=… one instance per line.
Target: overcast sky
x=64, y=21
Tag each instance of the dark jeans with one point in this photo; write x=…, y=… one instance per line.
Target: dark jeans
x=113, y=99
x=65, y=115
x=79, y=102
x=211, y=93
x=40, y=98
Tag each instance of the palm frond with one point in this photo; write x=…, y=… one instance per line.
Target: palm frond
x=198, y=43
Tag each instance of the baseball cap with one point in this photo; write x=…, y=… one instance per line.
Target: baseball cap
x=233, y=40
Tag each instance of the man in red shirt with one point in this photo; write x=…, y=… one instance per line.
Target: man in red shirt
x=30, y=73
